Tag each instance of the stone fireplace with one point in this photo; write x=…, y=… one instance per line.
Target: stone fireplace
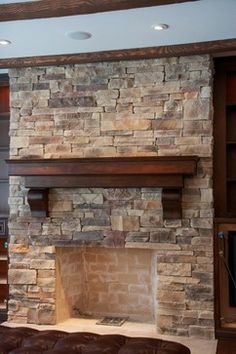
x=109, y=250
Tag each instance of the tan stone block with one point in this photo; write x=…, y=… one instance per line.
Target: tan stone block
x=178, y=269
x=117, y=83
x=122, y=116
x=39, y=250
x=170, y=279
x=147, y=79
x=173, y=296
x=130, y=94
x=207, y=195
x=16, y=319
x=150, y=218
x=126, y=124
x=196, y=109
x=133, y=141
x=164, y=88
x=57, y=149
x=14, y=305
x=124, y=223
x=155, y=111
x=147, y=204
x=206, y=315
x=22, y=276
x=200, y=150
x=46, y=282
x=19, y=142
x=153, y=245
x=188, y=140
x=44, y=125
x=88, y=198
x=99, y=152
x=126, y=151
x=18, y=248
x=42, y=264
x=166, y=124
x=101, y=141
x=35, y=151
x=45, y=140
x=60, y=206
x=201, y=241
x=164, y=321
x=204, y=223
x=106, y=97
x=46, y=314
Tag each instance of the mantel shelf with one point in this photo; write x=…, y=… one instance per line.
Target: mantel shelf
x=165, y=172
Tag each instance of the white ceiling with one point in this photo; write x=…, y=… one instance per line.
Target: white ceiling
x=189, y=22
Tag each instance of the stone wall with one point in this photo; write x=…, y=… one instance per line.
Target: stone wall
x=130, y=108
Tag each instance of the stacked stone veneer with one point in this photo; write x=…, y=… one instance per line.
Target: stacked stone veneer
x=130, y=108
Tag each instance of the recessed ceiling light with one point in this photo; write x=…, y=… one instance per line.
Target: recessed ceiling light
x=161, y=27
x=4, y=42
x=79, y=35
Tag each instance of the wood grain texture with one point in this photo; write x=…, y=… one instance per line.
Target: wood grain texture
x=159, y=165
x=211, y=47
x=226, y=346
x=57, y=8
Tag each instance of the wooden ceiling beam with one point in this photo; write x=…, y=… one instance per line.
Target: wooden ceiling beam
x=57, y=8
x=212, y=47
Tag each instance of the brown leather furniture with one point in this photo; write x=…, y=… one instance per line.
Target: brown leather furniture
x=24, y=340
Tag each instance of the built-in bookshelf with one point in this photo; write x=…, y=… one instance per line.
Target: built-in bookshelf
x=4, y=192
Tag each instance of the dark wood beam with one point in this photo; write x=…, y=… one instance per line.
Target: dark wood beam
x=57, y=8
x=211, y=47
x=165, y=172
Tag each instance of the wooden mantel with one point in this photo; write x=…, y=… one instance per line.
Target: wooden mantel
x=165, y=172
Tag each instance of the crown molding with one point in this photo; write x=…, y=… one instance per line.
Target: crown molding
x=211, y=47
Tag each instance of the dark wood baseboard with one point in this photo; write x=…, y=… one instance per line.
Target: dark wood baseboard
x=226, y=346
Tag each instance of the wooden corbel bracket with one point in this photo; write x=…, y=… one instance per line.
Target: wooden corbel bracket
x=38, y=202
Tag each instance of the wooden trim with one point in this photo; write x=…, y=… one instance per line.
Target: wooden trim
x=211, y=47
x=57, y=8
x=157, y=165
x=225, y=221
x=122, y=172
x=219, y=153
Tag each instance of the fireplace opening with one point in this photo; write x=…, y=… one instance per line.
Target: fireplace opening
x=98, y=282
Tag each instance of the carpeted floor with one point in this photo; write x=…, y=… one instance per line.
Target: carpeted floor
x=226, y=346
